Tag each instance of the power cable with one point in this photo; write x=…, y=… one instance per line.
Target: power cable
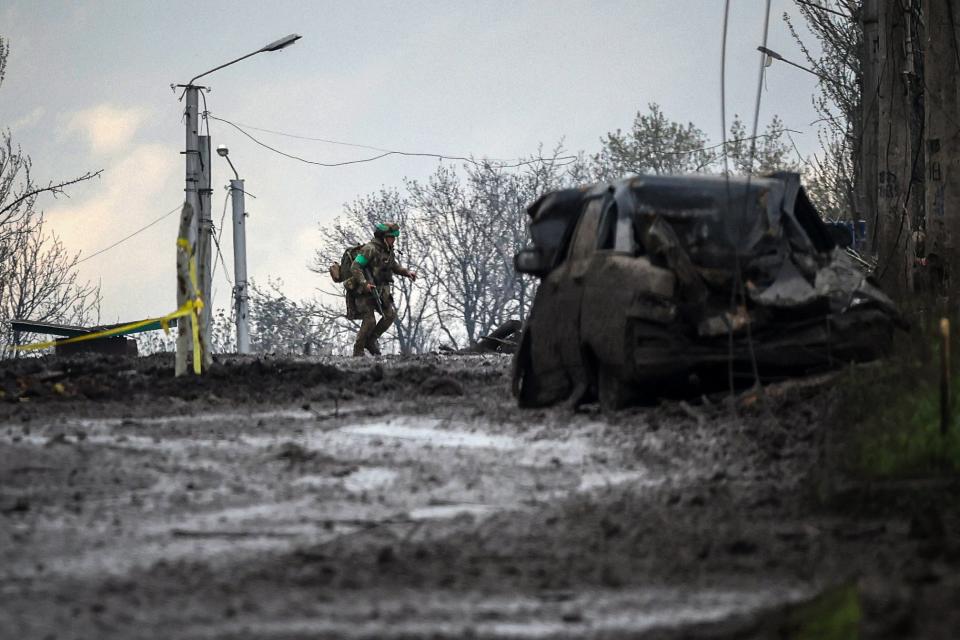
x=726, y=165
x=746, y=201
x=206, y=112
x=569, y=159
x=216, y=241
x=141, y=229
x=726, y=142
x=216, y=238
x=310, y=138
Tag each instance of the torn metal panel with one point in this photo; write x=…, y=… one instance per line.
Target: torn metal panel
x=724, y=323
x=789, y=289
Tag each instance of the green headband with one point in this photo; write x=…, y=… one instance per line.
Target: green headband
x=385, y=230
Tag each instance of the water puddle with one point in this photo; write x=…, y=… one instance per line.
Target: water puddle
x=591, y=614
x=218, y=416
x=94, y=426
x=369, y=479
x=428, y=430
x=186, y=443
x=315, y=481
x=415, y=430
x=599, y=480
x=361, y=480
x=449, y=511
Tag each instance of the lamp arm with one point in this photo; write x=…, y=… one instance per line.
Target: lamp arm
x=223, y=65
x=237, y=175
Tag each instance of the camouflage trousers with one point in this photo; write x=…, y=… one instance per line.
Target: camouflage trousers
x=370, y=329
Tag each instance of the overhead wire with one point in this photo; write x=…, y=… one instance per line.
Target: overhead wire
x=310, y=138
x=726, y=142
x=726, y=163
x=738, y=286
x=494, y=160
x=216, y=240
x=124, y=239
x=746, y=201
x=389, y=152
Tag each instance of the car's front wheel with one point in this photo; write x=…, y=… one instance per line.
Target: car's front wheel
x=612, y=393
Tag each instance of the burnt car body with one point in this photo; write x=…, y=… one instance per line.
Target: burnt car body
x=654, y=278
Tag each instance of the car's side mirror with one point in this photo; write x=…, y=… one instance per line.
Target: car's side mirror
x=530, y=260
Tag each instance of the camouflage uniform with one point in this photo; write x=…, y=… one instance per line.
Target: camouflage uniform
x=377, y=259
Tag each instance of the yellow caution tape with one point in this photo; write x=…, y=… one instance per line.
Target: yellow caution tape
x=190, y=308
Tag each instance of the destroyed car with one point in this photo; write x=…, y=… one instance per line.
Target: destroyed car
x=654, y=281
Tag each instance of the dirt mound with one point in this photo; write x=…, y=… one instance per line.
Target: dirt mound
x=262, y=380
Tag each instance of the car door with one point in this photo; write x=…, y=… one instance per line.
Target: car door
x=608, y=283
x=619, y=281
x=554, y=322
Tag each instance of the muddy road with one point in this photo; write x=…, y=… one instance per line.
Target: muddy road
x=410, y=498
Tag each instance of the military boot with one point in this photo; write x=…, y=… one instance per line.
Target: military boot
x=373, y=348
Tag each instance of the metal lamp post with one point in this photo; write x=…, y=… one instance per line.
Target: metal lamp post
x=240, y=297
x=198, y=183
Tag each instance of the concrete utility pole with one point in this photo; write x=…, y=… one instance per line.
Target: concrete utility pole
x=942, y=137
x=198, y=187
x=184, y=293
x=240, y=295
x=204, y=249
x=194, y=181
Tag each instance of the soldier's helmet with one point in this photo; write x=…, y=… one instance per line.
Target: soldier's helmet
x=384, y=229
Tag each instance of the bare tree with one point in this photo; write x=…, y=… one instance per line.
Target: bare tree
x=280, y=325
x=38, y=278
x=658, y=145
x=40, y=283
x=415, y=311
x=654, y=144
x=473, y=222
x=767, y=153
x=835, y=175
x=501, y=197
x=457, y=255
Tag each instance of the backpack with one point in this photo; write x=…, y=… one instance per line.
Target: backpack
x=341, y=272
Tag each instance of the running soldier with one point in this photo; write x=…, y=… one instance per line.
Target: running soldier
x=372, y=274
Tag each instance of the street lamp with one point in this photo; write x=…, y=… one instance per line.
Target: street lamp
x=773, y=55
x=198, y=187
x=240, y=298
x=276, y=45
x=223, y=152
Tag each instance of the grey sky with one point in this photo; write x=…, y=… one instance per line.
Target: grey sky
x=88, y=88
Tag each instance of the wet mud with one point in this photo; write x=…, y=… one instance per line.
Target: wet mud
x=410, y=498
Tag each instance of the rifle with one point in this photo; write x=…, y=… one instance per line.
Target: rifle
x=376, y=292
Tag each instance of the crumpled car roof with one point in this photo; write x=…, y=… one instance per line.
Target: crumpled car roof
x=738, y=211
x=765, y=226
